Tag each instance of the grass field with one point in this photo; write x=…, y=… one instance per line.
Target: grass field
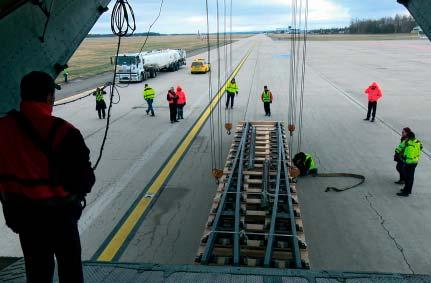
x=350, y=37
x=93, y=56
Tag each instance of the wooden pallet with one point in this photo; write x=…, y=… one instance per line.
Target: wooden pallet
x=255, y=213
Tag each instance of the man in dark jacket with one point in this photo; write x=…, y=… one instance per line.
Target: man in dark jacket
x=172, y=99
x=45, y=174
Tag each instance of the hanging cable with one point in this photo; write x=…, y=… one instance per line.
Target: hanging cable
x=219, y=110
x=152, y=24
x=304, y=56
x=122, y=24
x=215, y=171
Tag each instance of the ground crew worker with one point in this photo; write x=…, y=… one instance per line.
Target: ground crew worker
x=267, y=100
x=65, y=75
x=172, y=98
x=410, y=156
x=305, y=163
x=45, y=174
x=399, y=150
x=100, y=102
x=231, y=90
x=182, y=100
x=149, y=95
x=374, y=93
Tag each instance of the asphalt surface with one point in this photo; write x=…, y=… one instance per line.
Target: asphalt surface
x=366, y=229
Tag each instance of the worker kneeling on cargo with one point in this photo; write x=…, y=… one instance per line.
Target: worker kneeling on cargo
x=305, y=164
x=149, y=95
x=267, y=100
x=231, y=90
x=100, y=102
x=45, y=174
x=410, y=155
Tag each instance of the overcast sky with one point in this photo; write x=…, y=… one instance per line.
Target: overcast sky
x=188, y=16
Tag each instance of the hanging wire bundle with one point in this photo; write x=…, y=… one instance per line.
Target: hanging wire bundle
x=299, y=30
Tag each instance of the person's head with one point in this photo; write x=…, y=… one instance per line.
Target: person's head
x=146, y=85
x=374, y=85
x=411, y=136
x=179, y=88
x=233, y=80
x=265, y=87
x=38, y=87
x=405, y=133
x=172, y=88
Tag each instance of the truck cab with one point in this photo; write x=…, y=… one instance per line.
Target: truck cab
x=130, y=68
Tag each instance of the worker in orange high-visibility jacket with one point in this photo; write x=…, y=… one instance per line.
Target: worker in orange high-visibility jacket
x=45, y=174
x=374, y=93
x=182, y=100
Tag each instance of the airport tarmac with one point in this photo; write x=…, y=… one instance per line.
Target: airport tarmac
x=366, y=229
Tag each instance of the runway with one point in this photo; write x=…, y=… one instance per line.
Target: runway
x=366, y=229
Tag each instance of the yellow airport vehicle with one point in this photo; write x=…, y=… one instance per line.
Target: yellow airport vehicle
x=200, y=66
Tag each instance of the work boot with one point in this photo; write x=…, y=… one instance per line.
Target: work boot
x=403, y=194
x=147, y=111
x=366, y=119
x=372, y=120
x=400, y=182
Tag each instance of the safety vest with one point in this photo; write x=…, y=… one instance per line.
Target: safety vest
x=400, y=148
x=99, y=95
x=312, y=163
x=149, y=93
x=232, y=87
x=266, y=96
x=412, y=151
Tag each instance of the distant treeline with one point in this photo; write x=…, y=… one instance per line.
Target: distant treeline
x=111, y=35
x=397, y=24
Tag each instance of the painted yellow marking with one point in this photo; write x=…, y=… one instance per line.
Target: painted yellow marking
x=131, y=221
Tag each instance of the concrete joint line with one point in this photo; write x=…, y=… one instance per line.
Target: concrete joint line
x=392, y=237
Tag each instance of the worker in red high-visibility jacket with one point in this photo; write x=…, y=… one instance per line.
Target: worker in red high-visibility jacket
x=374, y=93
x=45, y=174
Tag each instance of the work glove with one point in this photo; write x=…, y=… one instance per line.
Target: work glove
x=185, y=103
x=236, y=93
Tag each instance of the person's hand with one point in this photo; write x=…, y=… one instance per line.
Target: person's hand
x=236, y=93
x=185, y=103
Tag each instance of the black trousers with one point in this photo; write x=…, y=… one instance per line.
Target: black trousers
x=409, y=175
x=400, y=169
x=230, y=98
x=267, y=107
x=45, y=235
x=372, y=106
x=180, y=110
x=100, y=107
x=173, y=112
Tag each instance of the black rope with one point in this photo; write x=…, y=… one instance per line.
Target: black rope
x=304, y=56
x=122, y=24
x=152, y=24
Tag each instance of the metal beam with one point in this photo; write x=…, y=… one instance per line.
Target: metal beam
x=251, y=153
x=421, y=12
x=206, y=257
x=268, y=253
x=236, y=236
x=295, y=245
